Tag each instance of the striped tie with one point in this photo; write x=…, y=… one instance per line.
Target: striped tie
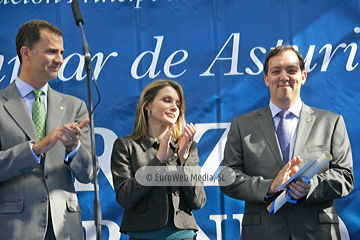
x=283, y=134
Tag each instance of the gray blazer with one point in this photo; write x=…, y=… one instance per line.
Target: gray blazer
x=252, y=150
x=28, y=191
x=147, y=207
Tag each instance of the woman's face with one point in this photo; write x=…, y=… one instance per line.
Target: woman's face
x=164, y=109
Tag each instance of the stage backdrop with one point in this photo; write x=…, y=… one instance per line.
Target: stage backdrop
x=215, y=50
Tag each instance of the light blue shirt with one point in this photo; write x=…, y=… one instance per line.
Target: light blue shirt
x=292, y=121
x=28, y=96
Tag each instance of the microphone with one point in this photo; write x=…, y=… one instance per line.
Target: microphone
x=87, y=66
x=76, y=12
x=79, y=21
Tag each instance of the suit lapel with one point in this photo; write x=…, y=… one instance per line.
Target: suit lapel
x=55, y=110
x=267, y=127
x=16, y=108
x=306, y=122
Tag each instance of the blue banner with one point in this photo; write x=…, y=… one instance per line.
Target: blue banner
x=215, y=50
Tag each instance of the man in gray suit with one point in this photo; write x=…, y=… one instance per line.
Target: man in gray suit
x=253, y=151
x=37, y=194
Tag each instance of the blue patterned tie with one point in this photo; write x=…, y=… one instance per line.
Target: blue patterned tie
x=39, y=114
x=283, y=134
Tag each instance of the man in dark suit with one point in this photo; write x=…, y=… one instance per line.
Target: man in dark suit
x=253, y=151
x=37, y=194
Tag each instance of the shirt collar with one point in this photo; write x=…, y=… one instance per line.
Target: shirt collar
x=294, y=109
x=25, y=88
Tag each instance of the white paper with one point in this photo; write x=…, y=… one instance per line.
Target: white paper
x=308, y=170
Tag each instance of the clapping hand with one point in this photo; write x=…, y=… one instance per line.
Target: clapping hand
x=284, y=174
x=71, y=134
x=186, y=141
x=68, y=134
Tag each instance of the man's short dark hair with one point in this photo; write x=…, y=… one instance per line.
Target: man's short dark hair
x=278, y=50
x=29, y=34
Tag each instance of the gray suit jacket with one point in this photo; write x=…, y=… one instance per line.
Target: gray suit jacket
x=28, y=191
x=147, y=207
x=252, y=150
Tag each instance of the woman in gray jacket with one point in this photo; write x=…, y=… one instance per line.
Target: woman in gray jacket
x=156, y=205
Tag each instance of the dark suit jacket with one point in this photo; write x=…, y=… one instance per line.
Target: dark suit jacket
x=252, y=150
x=147, y=207
x=28, y=191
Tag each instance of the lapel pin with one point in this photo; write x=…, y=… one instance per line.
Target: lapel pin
x=61, y=108
x=308, y=120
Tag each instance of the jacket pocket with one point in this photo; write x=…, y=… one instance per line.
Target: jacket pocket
x=11, y=207
x=318, y=148
x=251, y=219
x=140, y=206
x=73, y=206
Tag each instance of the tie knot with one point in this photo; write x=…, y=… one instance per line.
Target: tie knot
x=284, y=114
x=37, y=92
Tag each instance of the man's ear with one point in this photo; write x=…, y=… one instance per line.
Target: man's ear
x=303, y=79
x=25, y=51
x=266, y=80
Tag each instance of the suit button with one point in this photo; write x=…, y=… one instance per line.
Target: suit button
x=46, y=177
x=45, y=199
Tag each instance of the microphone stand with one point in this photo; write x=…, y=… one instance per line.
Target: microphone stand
x=87, y=67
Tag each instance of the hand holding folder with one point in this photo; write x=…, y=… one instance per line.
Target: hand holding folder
x=304, y=174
